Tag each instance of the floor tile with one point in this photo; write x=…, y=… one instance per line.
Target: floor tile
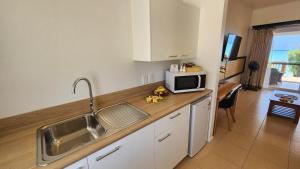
x=230, y=152
x=242, y=141
x=270, y=153
x=256, y=162
x=295, y=133
x=187, y=163
x=295, y=147
x=213, y=161
x=294, y=161
x=278, y=138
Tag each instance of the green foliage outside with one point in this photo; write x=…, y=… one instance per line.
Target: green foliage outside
x=294, y=56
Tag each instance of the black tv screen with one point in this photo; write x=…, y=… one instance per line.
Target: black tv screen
x=231, y=46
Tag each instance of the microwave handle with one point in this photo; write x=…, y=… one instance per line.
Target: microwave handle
x=199, y=81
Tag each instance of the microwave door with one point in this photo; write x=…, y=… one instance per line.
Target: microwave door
x=187, y=82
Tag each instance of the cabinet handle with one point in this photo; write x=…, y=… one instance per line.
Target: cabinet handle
x=173, y=56
x=173, y=117
x=162, y=139
x=107, y=154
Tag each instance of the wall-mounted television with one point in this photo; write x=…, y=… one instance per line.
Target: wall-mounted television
x=231, y=46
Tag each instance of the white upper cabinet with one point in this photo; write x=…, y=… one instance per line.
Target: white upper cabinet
x=165, y=29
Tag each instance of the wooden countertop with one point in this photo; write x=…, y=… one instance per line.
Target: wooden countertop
x=225, y=88
x=18, y=147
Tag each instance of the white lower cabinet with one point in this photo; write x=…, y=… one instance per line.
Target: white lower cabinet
x=81, y=164
x=171, y=139
x=110, y=157
x=132, y=152
x=160, y=145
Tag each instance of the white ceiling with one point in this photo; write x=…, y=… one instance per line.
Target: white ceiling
x=265, y=3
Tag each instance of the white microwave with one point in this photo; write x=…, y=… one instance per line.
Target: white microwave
x=179, y=82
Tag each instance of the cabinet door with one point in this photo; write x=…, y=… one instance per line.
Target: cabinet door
x=171, y=146
x=165, y=29
x=163, y=24
x=142, y=148
x=199, y=123
x=181, y=133
x=111, y=157
x=174, y=29
x=81, y=164
x=132, y=152
x=164, y=151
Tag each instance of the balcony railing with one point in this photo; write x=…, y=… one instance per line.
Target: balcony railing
x=282, y=66
x=290, y=76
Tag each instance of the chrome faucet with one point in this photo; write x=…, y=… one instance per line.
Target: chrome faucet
x=90, y=91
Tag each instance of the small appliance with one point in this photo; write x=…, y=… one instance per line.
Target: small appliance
x=179, y=82
x=199, y=122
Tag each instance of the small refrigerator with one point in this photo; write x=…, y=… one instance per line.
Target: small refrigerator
x=200, y=112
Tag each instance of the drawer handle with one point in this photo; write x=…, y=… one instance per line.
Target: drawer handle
x=107, y=154
x=162, y=139
x=173, y=117
x=173, y=56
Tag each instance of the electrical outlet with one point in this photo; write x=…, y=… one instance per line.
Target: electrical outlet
x=150, y=78
x=147, y=78
x=144, y=79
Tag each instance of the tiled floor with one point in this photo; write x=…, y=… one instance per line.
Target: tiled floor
x=255, y=142
x=286, y=85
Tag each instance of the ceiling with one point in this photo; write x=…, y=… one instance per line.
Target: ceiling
x=265, y=3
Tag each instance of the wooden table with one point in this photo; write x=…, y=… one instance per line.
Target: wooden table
x=223, y=90
x=274, y=100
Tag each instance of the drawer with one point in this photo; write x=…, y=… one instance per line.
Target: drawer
x=81, y=164
x=107, y=157
x=170, y=121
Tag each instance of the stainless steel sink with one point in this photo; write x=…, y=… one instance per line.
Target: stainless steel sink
x=57, y=140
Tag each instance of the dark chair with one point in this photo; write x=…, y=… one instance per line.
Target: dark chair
x=227, y=104
x=275, y=76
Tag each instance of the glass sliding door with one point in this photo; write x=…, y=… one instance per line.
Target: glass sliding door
x=284, y=62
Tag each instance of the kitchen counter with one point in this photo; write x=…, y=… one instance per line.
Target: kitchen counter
x=18, y=147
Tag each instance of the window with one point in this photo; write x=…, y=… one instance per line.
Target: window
x=285, y=61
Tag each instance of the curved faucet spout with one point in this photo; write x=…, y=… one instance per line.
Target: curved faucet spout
x=90, y=91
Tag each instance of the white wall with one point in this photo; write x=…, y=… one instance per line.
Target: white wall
x=277, y=13
x=238, y=22
x=46, y=44
x=211, y=35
